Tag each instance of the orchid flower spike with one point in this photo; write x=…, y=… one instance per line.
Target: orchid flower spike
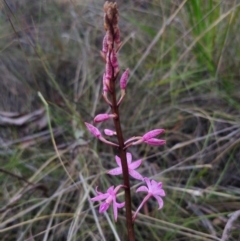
x=110, y=197
x=153, y=189
x=131, y=167
x=148, y=138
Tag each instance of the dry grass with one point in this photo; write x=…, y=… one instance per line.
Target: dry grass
x=184, y=78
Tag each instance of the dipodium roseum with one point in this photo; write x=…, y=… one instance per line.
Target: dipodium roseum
x=131, y=167
x=110, y=197
x=153, y=189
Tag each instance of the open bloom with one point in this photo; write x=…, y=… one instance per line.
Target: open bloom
x=153, y=189
x=131, y=167
x=110, y=197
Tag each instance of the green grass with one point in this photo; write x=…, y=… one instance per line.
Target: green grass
x=184, y=62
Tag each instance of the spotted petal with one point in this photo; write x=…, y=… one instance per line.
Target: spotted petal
x=135, y=164
x=135, y=174
x=115, y=171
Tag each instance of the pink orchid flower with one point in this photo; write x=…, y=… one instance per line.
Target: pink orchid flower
x=110, y=197
x=153, y=189
x=131, y=167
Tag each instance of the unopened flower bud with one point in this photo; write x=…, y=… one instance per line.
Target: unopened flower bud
x=108, y=70
x=105, y=84
x=114, y=59
x=152, y=134
x=155, y=142
x=103, y=117
x=109, y=132
x=124, y=79
x=93, y=130
x=105, y=44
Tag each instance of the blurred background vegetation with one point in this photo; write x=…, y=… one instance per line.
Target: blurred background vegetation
x=184, y=57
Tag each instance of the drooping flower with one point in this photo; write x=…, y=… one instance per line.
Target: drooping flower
x=153, y=189
x=110, y=197
x=131, y=167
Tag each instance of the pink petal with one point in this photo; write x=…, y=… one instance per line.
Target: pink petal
x=155, y=142
x=96, y=189
x=135, y=174
x=152, y=134
x=142, y=189
x=160, y=201
x=110, y=189
x=103, y=207
x=129, y=158
x=118, y=160
x=120, y=205
x=154, y=185
x=115, y=171
x=117, y=188
x=135, y=164
x=159, y=192
x=148, y=184
x=93, y=130
x=115, y=211
x=124, y=79
x=100, y=197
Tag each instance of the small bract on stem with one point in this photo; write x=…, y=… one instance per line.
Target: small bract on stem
x=126, y=168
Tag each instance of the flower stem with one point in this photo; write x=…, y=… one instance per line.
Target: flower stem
x=123, y=157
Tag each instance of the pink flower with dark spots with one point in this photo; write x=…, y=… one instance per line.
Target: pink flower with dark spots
x=110, y=197
x=131, y=167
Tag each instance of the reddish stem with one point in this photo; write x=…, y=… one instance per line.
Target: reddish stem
x=122, y=152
